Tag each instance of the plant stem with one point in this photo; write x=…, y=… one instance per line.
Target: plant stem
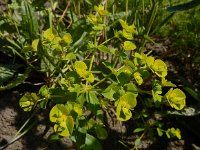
x=91, y=62
x=102, y=80
x=152, y=18
x=144, y=92
x=18, y=135
x=64, y=12
x=46, y=55
x=126, y=10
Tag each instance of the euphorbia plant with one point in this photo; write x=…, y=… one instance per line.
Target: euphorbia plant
x=84, y=85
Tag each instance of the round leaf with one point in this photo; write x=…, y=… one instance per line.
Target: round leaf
x=65, y=128
x=176, y=98
x=159, y=67
x=128, y=46
x=67, y=38
x=101, y=133
x=81, y=67
x=50, y=34
x=28, y=101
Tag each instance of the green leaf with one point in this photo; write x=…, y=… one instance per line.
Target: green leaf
x=92, y=19
x=123, y=114
x=138, y=78
x=28, y=101
x=130, y=64
x=90, y=77
x=58, y=95
x=130, y=29
x=6, y=72
x=137, y=142
x=156, y=87
x=56, y=43
x=72, y=77
x=138, y=130
x=145, y=74
x=184, y=6
x=103, y=48
x=132, y=88
x=176, y=98
x=195, y=94
x=101, y=10
x=53, y=137
x=168, y=134
x=101, y=133
x=29, y=23
x=126, y=102
x=126, y=34
x=56, y=112
x=27, y=49
x=166, y=83
x=124, y=74
x=91, y=143
x=157, y=98
x=172, y=132
x=78, y=109
x=149, y=60
x=19, y=79
x=123, y=24
x=70, y=56
x=160, y=133
x=93, y=98
x=128, y=46
x=98, y=27
x=110, y=91
x=44, y=103
x=81, y=68
x=44, y=91
x=35, y=44
x=88, y=2
x=64, y=123
x=67, y=38
x=91, y=123
x=178, y=133
x=109, y=65
x=159, y=67
x=50, y=34
x=65, y=126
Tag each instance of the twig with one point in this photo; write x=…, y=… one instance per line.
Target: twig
x=64, y=12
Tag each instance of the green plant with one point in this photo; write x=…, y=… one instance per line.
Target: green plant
x=93, y=64
x=84, y=85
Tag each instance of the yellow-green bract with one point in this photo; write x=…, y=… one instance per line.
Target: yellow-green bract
x=64, y=123
x=28, y=101
x=81, y=69
x=126, y=103
x=176, y=98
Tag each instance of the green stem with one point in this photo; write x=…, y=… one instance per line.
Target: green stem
x=144, y=92
x=18, y=135
x=107, y=40
x=102, y=80
x=152, y=18
x=142, y=11
x=46, y=55
x=126, y=10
